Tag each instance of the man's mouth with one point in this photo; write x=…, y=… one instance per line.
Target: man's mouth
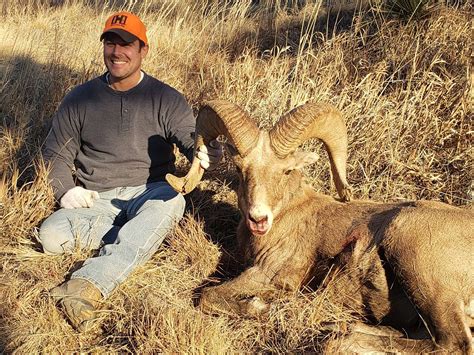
x=118, y=62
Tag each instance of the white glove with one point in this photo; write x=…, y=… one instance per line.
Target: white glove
x=78, y=197
x=210, y=155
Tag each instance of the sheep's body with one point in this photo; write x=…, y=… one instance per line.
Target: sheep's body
x=290, y=235
x=428, y=244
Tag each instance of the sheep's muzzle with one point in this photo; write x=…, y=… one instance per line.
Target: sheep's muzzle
x=258, y=226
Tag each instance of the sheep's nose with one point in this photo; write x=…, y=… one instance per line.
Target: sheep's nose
x=258, y=224
x=258, y=219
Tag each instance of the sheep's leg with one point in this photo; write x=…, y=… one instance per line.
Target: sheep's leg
x=243, y=295
x=449, y=322
x=441, y=307
x=429, y=249
x=363, y=338
x=364, y=281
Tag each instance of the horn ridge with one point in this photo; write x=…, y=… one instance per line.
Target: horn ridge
x=215, y=118
x=235, y=124
x=315, y=120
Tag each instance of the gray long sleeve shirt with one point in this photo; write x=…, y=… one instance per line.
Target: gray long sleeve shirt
x=113, y=138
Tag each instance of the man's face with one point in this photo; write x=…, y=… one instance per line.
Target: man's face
x=122, y=59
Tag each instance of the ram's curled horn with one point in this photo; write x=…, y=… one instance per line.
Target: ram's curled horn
x=215, y=118
x=321, y=121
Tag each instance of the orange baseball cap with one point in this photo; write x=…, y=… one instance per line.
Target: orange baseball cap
x=127, y=25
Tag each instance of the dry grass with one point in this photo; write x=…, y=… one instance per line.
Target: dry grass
x=407, y=92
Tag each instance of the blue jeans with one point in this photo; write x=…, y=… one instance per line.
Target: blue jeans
x=135, y=219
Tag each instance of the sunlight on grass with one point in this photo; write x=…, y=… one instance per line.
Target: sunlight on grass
x=406, y=91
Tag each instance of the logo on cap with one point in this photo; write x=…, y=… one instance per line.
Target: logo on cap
x=119, y=20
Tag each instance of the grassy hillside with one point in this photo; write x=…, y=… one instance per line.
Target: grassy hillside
x=405, y=86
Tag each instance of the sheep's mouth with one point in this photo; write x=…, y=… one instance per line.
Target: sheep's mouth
x=260, y=227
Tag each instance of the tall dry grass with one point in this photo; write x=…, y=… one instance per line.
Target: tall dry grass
x=406, y=89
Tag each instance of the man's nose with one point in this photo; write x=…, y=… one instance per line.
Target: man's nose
x=117, y=49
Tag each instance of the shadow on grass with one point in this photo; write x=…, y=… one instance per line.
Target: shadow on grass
x=298, y=33
x=217, y=206
x=30, y=94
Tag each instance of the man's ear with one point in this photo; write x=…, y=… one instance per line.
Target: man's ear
x=301, y=159
x=144, y=51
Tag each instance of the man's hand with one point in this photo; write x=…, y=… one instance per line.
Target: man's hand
x=78, y=197
x=210, y=154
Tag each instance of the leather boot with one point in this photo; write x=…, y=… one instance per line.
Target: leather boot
x=80, y=300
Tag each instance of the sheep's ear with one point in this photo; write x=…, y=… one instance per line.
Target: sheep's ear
x=301, y=159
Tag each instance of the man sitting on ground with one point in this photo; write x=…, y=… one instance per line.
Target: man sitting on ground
x=116, y=132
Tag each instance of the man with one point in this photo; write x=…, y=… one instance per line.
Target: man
x=116, y=132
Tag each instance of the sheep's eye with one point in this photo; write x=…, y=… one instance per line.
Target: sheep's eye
x=288, y=171
x=231, y=149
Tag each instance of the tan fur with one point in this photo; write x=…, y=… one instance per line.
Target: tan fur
x=396, y=259
x=428, y=246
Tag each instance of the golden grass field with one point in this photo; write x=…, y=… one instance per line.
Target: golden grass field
x=406, y=88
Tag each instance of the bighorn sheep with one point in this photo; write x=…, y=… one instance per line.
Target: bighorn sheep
x=290, y=234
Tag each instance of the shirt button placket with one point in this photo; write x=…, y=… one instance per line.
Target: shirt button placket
x=125, y=114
